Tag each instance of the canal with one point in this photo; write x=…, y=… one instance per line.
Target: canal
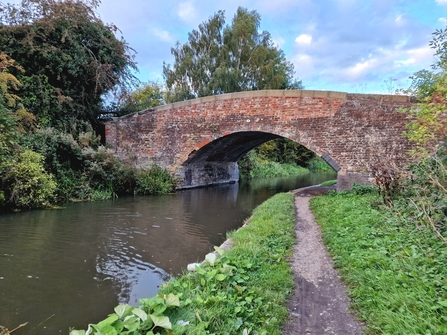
x=69, y=267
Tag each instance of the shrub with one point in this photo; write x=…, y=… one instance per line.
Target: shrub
x=154, y=181
x=25, y=183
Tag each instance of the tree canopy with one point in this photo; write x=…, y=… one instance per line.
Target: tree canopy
x=69, y=56
x=221, y=58
x=428, y=125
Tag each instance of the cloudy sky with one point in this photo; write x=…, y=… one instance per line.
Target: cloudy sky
x=357, y=46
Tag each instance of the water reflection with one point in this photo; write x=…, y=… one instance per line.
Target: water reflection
x=66, y=268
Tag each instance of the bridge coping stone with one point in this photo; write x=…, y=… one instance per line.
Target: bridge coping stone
x=283, y=93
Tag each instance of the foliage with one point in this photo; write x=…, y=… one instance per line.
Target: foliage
x=71, y=58
x=427, y=126
x=14, y=119
x=395, y=271
x=145, y=96
x=424, y=199
x=329, y=183
x=25, y=183
x=318, y=164
x=154, y=181
x=221, y=58
x=253, y=165
x=279, y=157
x=286, y=151
x=245, y=289
x=156, y=315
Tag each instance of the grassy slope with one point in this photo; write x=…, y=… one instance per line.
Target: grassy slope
x=396, y=272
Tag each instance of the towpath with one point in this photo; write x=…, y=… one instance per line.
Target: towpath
x=319, y=304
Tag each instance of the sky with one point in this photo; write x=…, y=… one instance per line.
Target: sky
x=356, y=46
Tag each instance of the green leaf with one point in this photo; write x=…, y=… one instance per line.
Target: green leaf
x=443, y=303
x=77, y=332
x=140, y=313
x=161, y=321
x=211, y=258
x=220, y=277
x=131, y=324
x=172, y=300
x=122, y=310
x=219, y=250
x=108, y=330
x=111, y=319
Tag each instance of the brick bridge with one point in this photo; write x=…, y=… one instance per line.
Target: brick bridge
x=201, y=140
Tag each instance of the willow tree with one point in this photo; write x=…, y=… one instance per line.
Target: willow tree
x=221, y=58
x=70, y=57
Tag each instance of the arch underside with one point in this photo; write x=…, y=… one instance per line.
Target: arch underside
x=230, y=148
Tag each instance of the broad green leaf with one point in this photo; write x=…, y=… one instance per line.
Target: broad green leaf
x=172, y=300
x=211, y=258
x=111, y=319
x=219, y=250
x=132, y=324
x=220, y=277
x=161, y=321
x=108, y=330
x=77, y=332
x=443, y=303
x=122, y=310
x=159, y=309
x=140, y=313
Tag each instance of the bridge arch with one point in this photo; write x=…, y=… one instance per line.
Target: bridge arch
x=201, y=140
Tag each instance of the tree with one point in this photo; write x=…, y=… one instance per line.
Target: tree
x=70, y=57
x=221, y=59
x=428, y=119
x=145, y=96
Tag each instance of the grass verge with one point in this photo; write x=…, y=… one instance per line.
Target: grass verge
x=243, y=291
x=395, y=271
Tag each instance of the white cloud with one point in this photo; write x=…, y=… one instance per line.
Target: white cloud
x=441, y=2
x=361, y=68
x=163, y=35
x=304, y=39
x=186, y=11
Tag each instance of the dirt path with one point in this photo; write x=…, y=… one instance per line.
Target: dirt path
x=319, y=304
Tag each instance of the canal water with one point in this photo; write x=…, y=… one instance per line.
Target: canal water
x=71, y=266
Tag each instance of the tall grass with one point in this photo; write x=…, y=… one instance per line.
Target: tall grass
x=395, y=270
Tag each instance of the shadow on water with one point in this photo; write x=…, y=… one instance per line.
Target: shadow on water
x=66, y=268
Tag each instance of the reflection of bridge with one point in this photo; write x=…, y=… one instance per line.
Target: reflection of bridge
x=201, y=140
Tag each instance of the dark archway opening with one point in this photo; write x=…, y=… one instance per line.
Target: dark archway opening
x=217, y=162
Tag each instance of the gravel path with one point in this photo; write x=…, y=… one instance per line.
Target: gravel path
x=319, y=304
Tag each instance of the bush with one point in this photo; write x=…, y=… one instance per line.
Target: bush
x=318, y=164
x=154, y=181
x=25, y=183
x=253, y=165
x=106, y=173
